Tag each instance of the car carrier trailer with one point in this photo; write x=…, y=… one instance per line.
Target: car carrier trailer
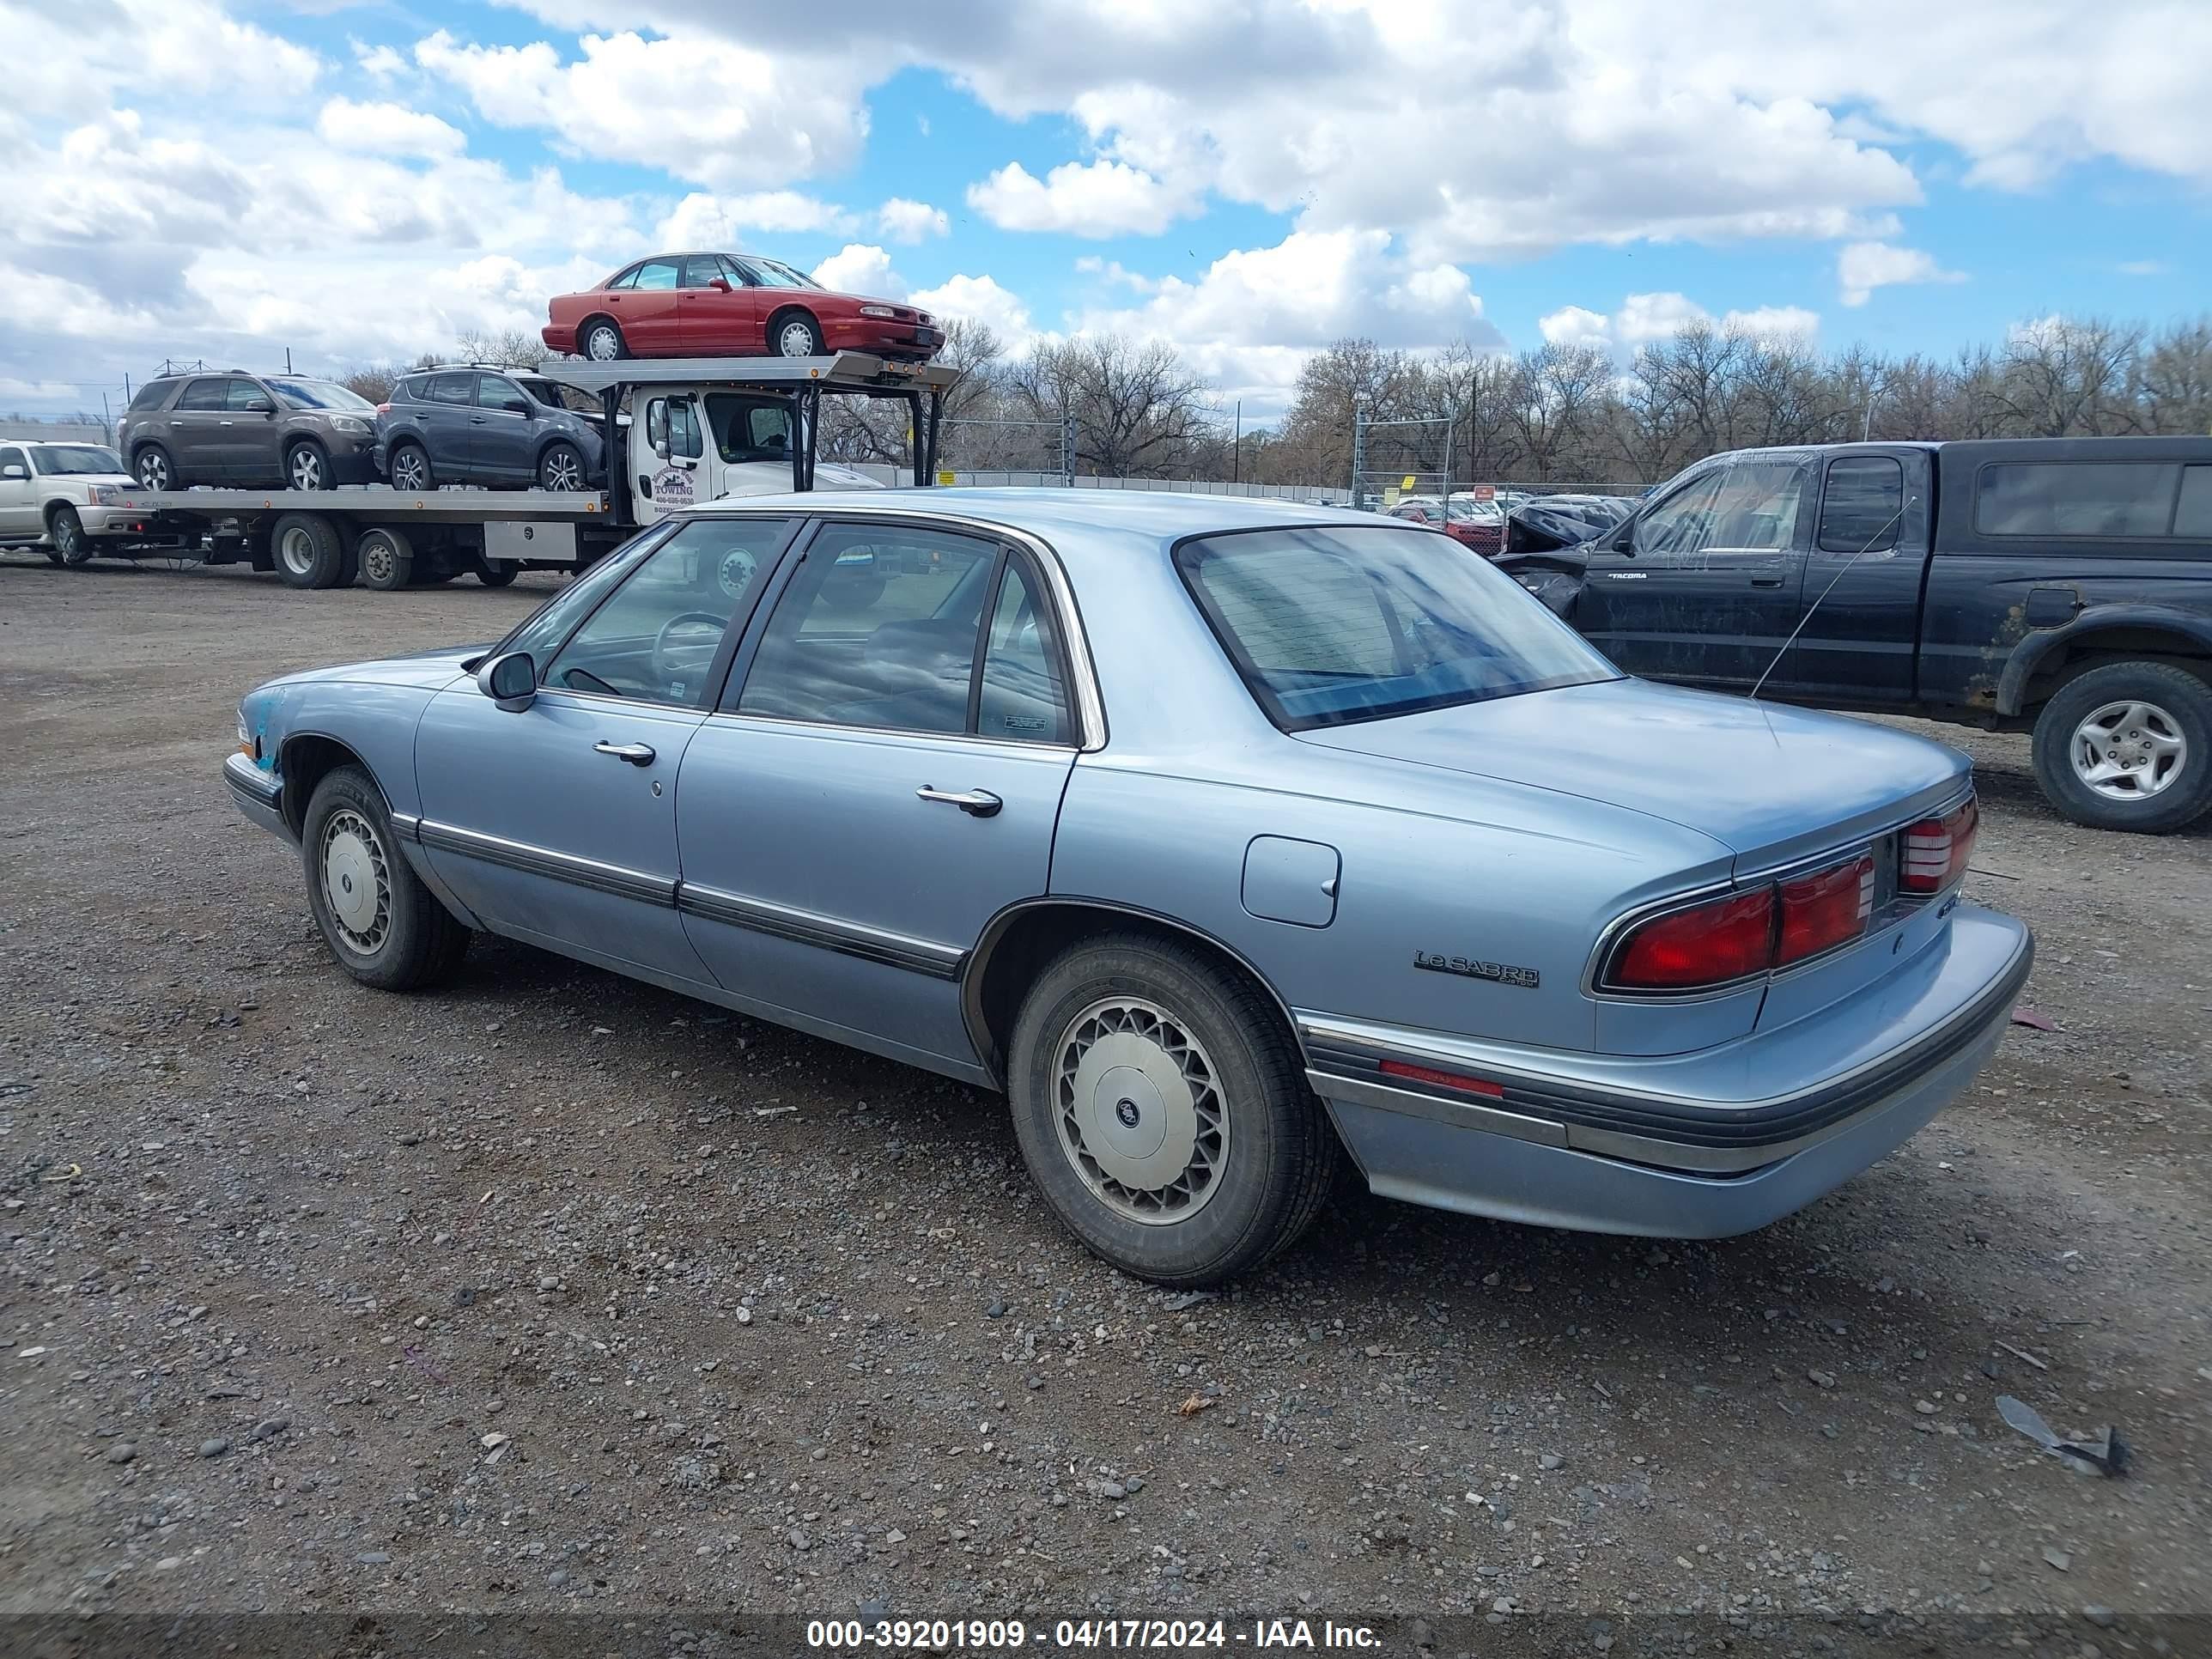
x=390, y=538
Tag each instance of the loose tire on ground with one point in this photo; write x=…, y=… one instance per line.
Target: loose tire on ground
x=309, y=551
x=2128, y=747
x=383, y=924
x=387, y=559
x=1127, y=1049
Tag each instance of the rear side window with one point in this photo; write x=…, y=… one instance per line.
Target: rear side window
x=2076, y=498
x=1863, y=501
x=417, y=387
x=1328, y=627
x=202, y=394
x=151, y=395
x=656, y=274
x=2192, y=516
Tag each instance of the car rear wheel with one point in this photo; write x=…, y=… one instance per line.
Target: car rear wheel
x=410, y=468
x=796, y=334
x=387, y=559
x=71, y=544
x=307, y=550
x=561, y=467
x=383, y=924
x=602, y=342
x=1163, y=1111
x=306, y=467
x=152, y=469
x=2128, y=747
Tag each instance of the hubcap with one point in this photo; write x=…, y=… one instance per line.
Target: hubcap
x=600, y=348
x=563, y=470
x=67, y=534
x=297, y=549
x=307, y=469
x=1141, y=1119
x=153, y=472
x=376, y=559
x=798, y=340
x=409, y=472
x=356, y=881
x=2128, y=750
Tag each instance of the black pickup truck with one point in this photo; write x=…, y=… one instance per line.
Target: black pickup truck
x=2059, y=585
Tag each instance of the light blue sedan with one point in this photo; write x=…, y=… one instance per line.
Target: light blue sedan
x=1226, y=837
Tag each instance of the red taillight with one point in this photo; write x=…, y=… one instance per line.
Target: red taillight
x=384, y=409
x=1473, y=1086
x=1711, y=944
x=1934, y=852
x=1824, y=910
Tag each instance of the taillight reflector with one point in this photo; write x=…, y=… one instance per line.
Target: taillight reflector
x=1934, y=853
x=1711, y=944
x=1472, y=1085
x=1827, y=909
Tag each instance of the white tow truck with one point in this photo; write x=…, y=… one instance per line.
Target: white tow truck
x=678, y=430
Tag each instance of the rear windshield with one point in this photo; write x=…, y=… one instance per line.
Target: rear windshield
x=1329, y=626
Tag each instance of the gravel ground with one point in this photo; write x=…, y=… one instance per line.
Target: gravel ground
x=553, y=1288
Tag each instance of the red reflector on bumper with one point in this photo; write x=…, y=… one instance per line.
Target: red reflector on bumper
x=1472, y=1085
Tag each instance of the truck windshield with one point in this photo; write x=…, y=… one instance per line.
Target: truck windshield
x=318, y=394
x=749, y=428
x=63, y=460
x=1330, y=626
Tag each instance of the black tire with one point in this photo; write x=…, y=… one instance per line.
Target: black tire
x=153, y=460
x=71, y=545
x=498, y=572
x=2182, y=703
x=561, y=468
x=789, y=331
x=308, y=550
x=53, y=558
x=615, y=347
x=1278, y=1152
x=416, y=940
x=408, y=456
x=308, y=466
x=387, y=559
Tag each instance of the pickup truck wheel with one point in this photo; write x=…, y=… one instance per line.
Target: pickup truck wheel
x=1163, y=1111
x=309, y=552
x=71, y=544
x=387, y=559
x=383, y=924
x=2127, y=746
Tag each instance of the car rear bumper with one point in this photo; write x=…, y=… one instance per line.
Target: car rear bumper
x=558, y=337
x=127, y=523
x=1699, y=1146
x=259, y=794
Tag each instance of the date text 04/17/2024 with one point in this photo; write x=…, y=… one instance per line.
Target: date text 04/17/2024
x=1166, y=1635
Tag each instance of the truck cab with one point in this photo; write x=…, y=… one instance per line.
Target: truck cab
x=709, y=442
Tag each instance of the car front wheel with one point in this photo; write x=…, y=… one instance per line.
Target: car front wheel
x=561, y=467
x=71, y=542
x=2128, y=747
x=306, y=467
x=797, y=336
x=383, y=924
x=1163, y=1111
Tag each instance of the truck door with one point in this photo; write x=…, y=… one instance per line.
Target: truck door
x=1870, y=543
x=667, y=448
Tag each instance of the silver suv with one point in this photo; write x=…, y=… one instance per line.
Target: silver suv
x=64, y=498
x=232, y=428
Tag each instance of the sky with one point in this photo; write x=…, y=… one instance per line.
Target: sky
x=1251, y=180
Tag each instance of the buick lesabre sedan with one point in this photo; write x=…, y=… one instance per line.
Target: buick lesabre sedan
x=1225, y=837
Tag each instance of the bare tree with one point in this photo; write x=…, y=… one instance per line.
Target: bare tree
x=2064, y=377
x=510, y=347
x=1140, y=410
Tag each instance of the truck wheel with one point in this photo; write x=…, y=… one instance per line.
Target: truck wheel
x=383, y=924
x=71, y=544
x=387, y=559
x=2127, y=746
x=309, y=550
x=306, y=467
x=498, y=572
x=151, y=465
x=1163, y=1111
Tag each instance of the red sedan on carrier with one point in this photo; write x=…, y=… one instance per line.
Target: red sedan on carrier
x=706, y=305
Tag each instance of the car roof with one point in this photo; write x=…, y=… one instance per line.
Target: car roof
x=1057, y=515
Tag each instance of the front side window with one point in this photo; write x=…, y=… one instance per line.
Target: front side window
x=13, y=457
x=1756, y=510
x=247, y=396
x=1328, y=627
x=2076, y=498
x=749, y=428
x=704, y=270
x=63, y=459
x=674, y=423
x=1682, y=524
x=1862, y=505
x=655, y=638
x=497, y=391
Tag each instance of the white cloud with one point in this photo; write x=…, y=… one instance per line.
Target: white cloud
x=704, y=109
x=1572, y=326
x=1646, y=319
x=378, y=63
x=1862, y=267
x=381, y=128
x=979, y=299
x=702, y=220
x=1097, y=198
x=75, y=58
x=903, y=221
x=858, y=268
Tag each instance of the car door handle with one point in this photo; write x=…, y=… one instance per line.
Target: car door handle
x=477, y=420
x=226, y=423
x=637, y=754
x=975, y=803
x=1766, y=581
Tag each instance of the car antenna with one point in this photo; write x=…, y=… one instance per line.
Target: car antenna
x=1881, y=531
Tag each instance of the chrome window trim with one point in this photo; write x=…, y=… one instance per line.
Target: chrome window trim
x=1090, y=709
x=617, y=879
x=801, y=927
x=1608, y=940
x=1014, y=746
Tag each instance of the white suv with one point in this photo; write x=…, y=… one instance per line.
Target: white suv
x=64, y=497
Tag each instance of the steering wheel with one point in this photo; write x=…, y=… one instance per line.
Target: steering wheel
x=670, y=672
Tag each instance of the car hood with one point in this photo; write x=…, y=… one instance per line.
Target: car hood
x=50, y=479
x=429, y=670
x=1760, y=779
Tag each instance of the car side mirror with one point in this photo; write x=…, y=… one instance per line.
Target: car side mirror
x=12, y=471
x=261, y=406
x=720, y=284
x=517, y=406
x=510, y=681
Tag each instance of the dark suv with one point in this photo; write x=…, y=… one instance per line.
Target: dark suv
x=485, y=427
x=232, y=428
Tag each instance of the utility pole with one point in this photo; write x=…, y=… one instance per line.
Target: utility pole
x=1358, y=450
x=1236, y=448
